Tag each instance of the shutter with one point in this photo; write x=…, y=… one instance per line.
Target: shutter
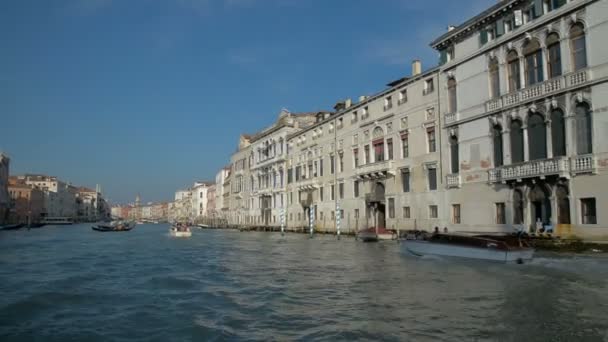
x=518, y=18
x=538, y=8
x=483, y=37
x=443, y=56
x=500, y=27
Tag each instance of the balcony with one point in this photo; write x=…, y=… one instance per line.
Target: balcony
x=375, y=170
x=536, y=168
x=540, y=90
x=308, y=184
x=583, y=164
x=453, y=181
x=278, y=158
x=450, y=117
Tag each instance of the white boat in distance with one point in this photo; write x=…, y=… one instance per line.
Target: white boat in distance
x=493, y=248
x=180, y=231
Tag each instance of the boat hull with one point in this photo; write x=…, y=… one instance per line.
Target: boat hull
x=176, y=233
x=370, y=235
x=422, y=247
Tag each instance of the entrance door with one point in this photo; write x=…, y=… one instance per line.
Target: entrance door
x=381, y=215
x=541, y=205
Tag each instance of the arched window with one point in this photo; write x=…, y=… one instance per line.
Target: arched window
x=578, y=47
x=558, y=133
x=537, y=137
x=497, y=141
x=563, y=204
x=514, y=73
x=454, y=154
x=452, y=102
x=583, y=129
x=494, y=79
x=554, y=59
x=518, y=207
x=533, y=56
x=517, y=142
x=378, y=143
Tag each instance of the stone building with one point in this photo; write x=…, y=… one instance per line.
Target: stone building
x=27, y=203
x=373, y=163
x=4, y=196
x=524, y=118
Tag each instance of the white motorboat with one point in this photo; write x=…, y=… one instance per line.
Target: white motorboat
x=376, y=234
x=180, y=232
x=202, y=226
x=494, y=248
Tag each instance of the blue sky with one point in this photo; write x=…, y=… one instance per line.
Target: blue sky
x=149, y=96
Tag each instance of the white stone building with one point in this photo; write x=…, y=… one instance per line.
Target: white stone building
x=220, y=178
x=524, y=102
x=59, y=196
x=199, y=198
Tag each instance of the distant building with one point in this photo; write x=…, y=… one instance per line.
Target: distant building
x=59, y=196
x=220, y=178
x=27, y=203
x=199, y=198
x=211, y=209
x=4, y=197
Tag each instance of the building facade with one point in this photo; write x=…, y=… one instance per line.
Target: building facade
x=26, y=203
x=59, y=196
x=4, y=196
x=525, y=118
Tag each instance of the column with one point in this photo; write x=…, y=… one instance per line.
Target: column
x=522, y=73
x=506, y=147
x=524, y=129
x=545, y=53
x=549, y=139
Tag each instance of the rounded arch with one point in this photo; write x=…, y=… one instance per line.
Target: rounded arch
x=554, y=57
x=584, y=128
x=578, y=46
x=377, y=133
x=558, y=132
x=497, y=144
x=533, y=61
x=518, y=206
x=562, y=194
x=537, y=136
x=517, y=140
x=452, y=98
x=513, y=69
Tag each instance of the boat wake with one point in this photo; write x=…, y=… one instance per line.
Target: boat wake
x=575, y=264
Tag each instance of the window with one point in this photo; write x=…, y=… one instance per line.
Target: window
x=299, y=216
x=333, y=193
x=430, y=133
x=406, y=212
x=321, y=167
x=433, y=211
x=365, y=113
x=332, y=165
x=356, y=213
x=583, y=129
x=388, y=103
x=356, y=157
x=500, y=213
x=402, y=96
x=341, y=190
x=389, y=147
x=341, y=158
x=405, y=180
x=494, y=79
x=452, y=102
x=391, y=208
x=354, y=117
x=454, y=161
x=588, y=211
x=379, y=150
x=321, y=194
x=554, y=59
x=514, y=73
x=333, y=217
x=356, y=188
x=533, y=57
x=497, y=142
x=517, y=142
x=578, y=47
x=518, y=207
x=366, y=153
x=456, y=213
x=537, y=137
x=341, y=214
x=405, y=148
x=432, y=174
x=429, y=87
x=558, y=133
x=321, y=216
x=315, y=169
x=340, y=123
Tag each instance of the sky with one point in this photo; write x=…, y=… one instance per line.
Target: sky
x=148, y=96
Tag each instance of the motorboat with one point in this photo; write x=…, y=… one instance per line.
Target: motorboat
x=506, y=248
x=202, y=226
x=374, y=234
x=180, y=231
x=12, y=226
x=55, y=221
x=118, y=226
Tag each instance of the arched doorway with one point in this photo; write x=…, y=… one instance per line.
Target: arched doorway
x=376, y=207
x=540, y=204
x=562, y=197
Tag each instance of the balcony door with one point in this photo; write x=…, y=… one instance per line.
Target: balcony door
x=540, y=204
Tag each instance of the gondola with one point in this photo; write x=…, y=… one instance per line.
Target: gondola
x=120, y=227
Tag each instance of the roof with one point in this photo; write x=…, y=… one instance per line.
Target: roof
x=463, y=28
x=84, y=189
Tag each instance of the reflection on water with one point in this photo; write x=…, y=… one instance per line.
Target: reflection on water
x=62, y=283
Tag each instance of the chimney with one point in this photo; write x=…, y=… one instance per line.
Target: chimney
x=416, y=67
x=347, y=103
x=451, y=27
x=362, y=98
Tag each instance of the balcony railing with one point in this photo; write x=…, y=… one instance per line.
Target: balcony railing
x=375, y=170
x=453, y=180
x=533, y=168
x=583, y=164
x=308, y=184
x=540, y=90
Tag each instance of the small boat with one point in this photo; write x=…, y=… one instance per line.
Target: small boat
x=56, y=221
x=114, y=227
x=202, y=226
x=180, y=231
x=484, y=247
x=376, y=234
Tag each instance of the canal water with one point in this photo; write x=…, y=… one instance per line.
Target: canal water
x=73, y=284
